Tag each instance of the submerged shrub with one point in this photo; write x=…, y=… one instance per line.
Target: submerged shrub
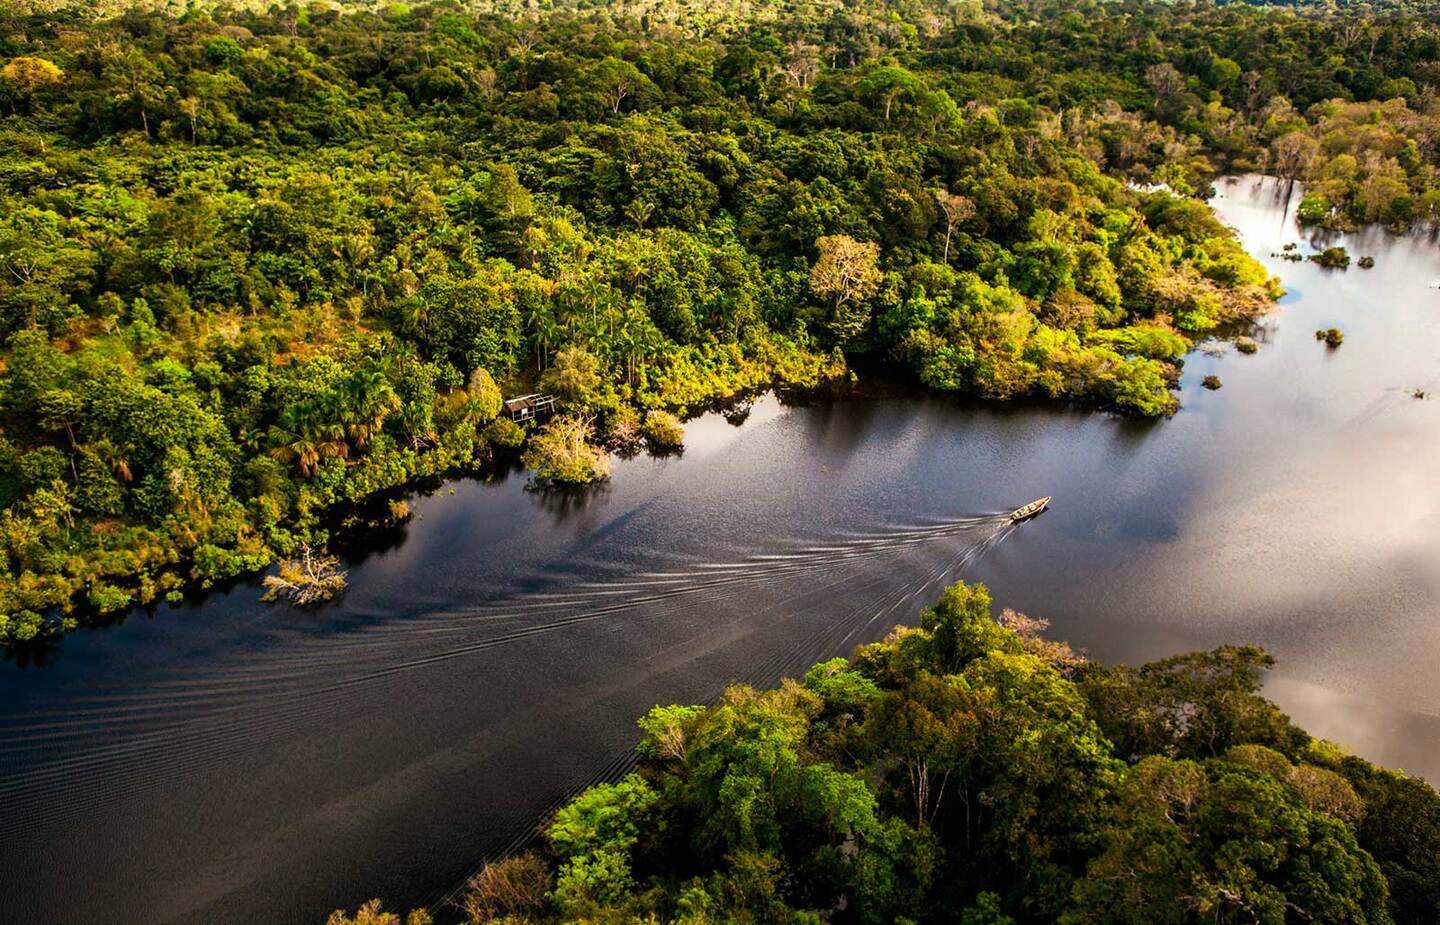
x=307, y=580
x=372, y=913
x=663, y=430
x=1335, y=258
x=622, y=431
x=561, y=453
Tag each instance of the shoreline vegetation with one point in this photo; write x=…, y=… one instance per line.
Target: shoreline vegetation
x=259, y=265
x=973, y=770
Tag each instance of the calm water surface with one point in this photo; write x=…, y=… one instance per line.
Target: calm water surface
x=227, y=761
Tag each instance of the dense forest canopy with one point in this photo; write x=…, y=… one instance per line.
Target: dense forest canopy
x=971, y=770
x=261, y=262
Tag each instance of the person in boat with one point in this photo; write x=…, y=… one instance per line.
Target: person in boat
x=1029, y=510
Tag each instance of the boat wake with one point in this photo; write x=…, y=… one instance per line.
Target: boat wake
x=829, y=596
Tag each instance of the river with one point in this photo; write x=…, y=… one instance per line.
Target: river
x=228, y=761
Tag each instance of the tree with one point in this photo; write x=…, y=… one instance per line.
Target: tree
x=301, y=436
x=30, y=75
x=1293, y=154
x=561, y=453
x=308, y=580
x=1217, y=842
x=668, y=731
x=663, y=430
x=845, y=274
x=485, y=395
x=1194, y=706
x=801, y=63
x=506, y=197
x=927, y=725
x=1165, y=82
x=890, y=85
x=574, y=376
x=958, y=210
x=515, y=886
x=593, y=836
x=618, y=80
x=1400, y=828
x=137, y=80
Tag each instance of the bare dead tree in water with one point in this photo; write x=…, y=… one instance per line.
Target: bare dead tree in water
x=309, y=579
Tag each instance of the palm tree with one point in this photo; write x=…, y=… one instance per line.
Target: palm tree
x=414, y=315
x=300, y=436
x=367, y=399
x=357, y=249
x=546, y=330
x=639, y=212
x=568, y=314
x=114, y=457
x=594, y=290
x=610, y=300
x=628, y=342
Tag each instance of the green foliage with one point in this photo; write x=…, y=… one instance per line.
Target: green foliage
x=1220, y=842
x=1313, y=209
x=948, y=774
x=248, y=275
x=1400, y=828
x=593, y=837
x=504, y=432
x=1190, y=706
x=575, y=376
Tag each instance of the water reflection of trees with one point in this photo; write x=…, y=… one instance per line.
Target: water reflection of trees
x=738, y=413
x=562, y=501
x=41, y=652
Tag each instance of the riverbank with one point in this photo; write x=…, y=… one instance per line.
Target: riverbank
x=88, y=573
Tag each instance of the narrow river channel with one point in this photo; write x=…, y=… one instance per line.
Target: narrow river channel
x=229, y=761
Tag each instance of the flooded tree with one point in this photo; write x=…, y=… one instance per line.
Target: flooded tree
x=663, y=430
x=307, y=580
x=560, y=453
x=373, y=913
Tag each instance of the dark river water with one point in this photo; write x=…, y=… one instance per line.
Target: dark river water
x=228, y=761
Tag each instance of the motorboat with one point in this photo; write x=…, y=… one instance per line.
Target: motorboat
x=1029, y=510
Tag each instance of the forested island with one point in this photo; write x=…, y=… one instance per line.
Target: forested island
x=259, y=263
x=972, y=770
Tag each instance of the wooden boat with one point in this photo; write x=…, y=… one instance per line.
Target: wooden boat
x=1029, y=510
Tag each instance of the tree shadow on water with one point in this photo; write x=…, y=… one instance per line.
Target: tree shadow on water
x=565, y=501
